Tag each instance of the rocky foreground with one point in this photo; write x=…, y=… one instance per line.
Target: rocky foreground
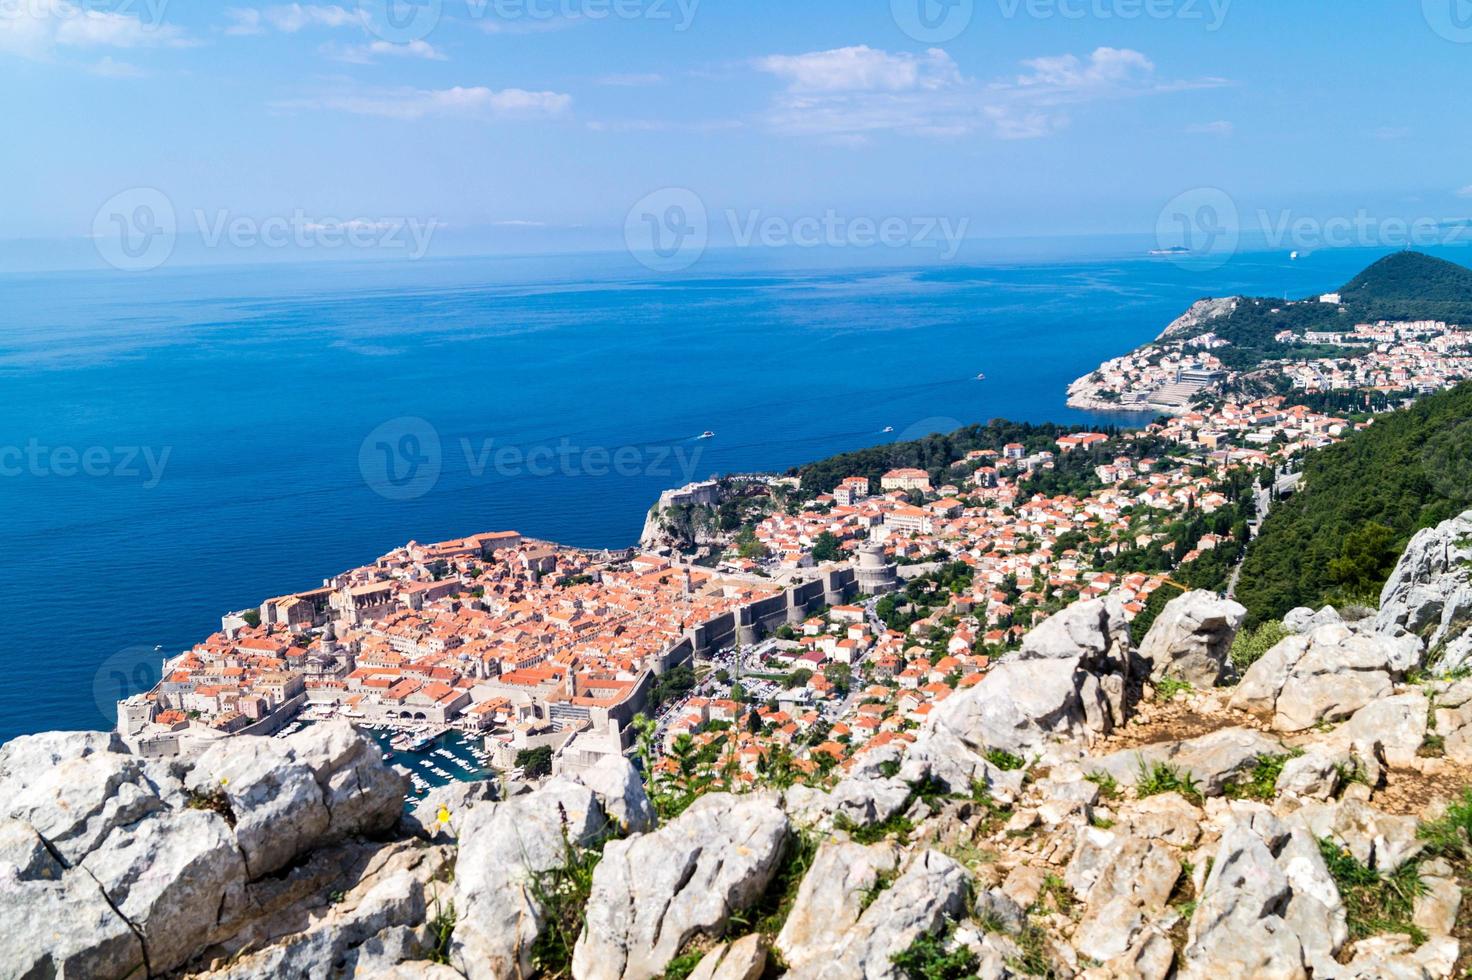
x=1091, y=809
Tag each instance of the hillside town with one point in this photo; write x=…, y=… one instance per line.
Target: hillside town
x=1176, y=375
x=828, y=627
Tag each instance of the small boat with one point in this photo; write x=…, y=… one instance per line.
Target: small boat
x=707, y=434
x=981, y=377
x=888, y=428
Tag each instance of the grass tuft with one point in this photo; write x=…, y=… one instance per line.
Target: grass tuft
x=1166, y=778
x=1375, y=903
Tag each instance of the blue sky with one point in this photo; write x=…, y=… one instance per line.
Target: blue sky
x=534, y=123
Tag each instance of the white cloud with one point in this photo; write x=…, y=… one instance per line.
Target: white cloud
x=473, y=102
x=860, y=91
x=366, y=54
x=293, y=17
x=109, y=67
x=1106, y=67
x=244, y=22
x=1221, y=128
x=35, y=29
x=862, y=69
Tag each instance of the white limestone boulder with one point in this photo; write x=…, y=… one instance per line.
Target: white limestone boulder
x=1191, y=638
x=654, y=893
x=1325, y=675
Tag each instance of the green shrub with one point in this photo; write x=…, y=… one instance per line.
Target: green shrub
x=1451, y=836
x=1262, y=782
x=1169, y=687
x=1108, y=785
x=928, y=958
x=1005, y=761
x=1251, y=644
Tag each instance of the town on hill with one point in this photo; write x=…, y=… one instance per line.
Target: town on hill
x=1016, y=700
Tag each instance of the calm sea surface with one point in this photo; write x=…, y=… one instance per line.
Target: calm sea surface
x=177, y=445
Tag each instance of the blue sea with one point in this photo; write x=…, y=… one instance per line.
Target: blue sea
x=186, y=442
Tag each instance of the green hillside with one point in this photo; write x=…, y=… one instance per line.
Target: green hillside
x=1361, y=501
x=1405, y=285
x=1410, y=284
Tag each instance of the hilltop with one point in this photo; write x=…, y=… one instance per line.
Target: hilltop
x=1250, y=347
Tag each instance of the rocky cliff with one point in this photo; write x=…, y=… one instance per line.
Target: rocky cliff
x=1090, y=809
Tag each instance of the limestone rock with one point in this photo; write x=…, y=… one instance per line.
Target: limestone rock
x=1190, y=639
x=618, y=787
x=1068, y=681
x=1324, y=675
x=1430, y=592
x=1397, y=723
x=366, y=932
x=54, y=924
x=745, y=959
x=444, y=809
x=931, y=890
x=503, y=847
x=1305, y=620
x=831, y=897
x=175, y=875
x=1212, y=760
x=288, y=795
x=1238, y=927
x=654, y=893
